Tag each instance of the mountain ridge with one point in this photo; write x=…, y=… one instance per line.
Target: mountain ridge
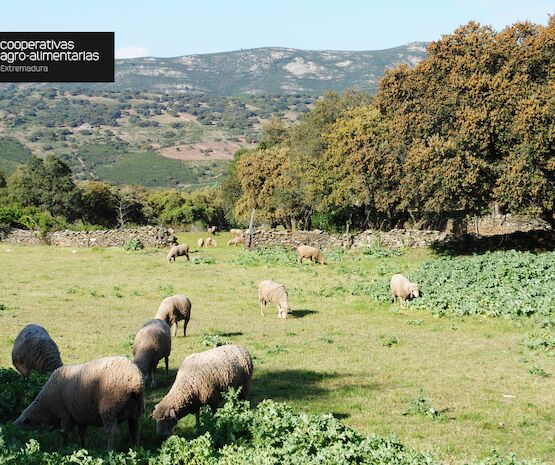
x=263, y=70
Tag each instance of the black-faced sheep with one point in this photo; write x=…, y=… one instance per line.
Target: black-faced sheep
x=307, y=251
x=103, y=392
x=34, y=349
x=178, y=251
x=201, y=379
x=402, y=288
x=152, y=344
x=270, y=291
x=174, y=309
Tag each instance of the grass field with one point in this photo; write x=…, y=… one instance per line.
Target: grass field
x=364, y=361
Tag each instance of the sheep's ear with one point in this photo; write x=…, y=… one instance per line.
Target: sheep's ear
x=173, y=416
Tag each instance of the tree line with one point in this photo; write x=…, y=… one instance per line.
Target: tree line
x=470, y=125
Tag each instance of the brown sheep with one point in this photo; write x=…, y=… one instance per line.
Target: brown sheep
x=152, y=343
x=34, y=349
x=236, y=241
x=178, y=251
x=174, y=309
x=201, y=379
x=306, y=251
x=103, y=392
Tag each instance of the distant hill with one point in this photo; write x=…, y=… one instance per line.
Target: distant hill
x=269, y=70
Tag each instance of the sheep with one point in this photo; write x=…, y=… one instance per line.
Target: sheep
x=402, y=288
x=306, y=251
x=212, y=229
x=270, y=291
x=178, y=251
x=236, y=232
x=201, y=379
x=200, y=242
x=103, y=392
x=210, y=242
x=173, y=309
x=152, y=343
x=34, y=349
x=236, y=241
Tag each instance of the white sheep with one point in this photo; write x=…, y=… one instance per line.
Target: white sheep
x=270, y=291
x=236, y=241
x=178, y=251
x=103, y=392
x=200, y=242
x=212, y=229
x=312, y=253
x=201, y=379
x=236, y=232
x=402, y=288
x=152, y=343
x=34, y=349
x=174, y=309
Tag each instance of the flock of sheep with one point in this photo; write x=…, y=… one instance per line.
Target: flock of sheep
x=109, y=390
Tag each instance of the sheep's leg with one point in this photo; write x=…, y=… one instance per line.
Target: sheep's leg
x=113, y=432
x=185, y=323
x=262, y=306
x=187, y=255
x=167, y=360
x=81, y=431
x=134, y=431
x=153, y=382
x=67, y=426
x=174, y=328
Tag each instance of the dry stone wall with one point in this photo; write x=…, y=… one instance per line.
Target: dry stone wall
x=150, y=236
x=321, y=239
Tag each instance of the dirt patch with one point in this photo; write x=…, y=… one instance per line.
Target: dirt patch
x=223, y=150
x=167, y=118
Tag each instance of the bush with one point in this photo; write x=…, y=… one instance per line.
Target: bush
x=18, y=392
x=275, y=255
x=133, y=245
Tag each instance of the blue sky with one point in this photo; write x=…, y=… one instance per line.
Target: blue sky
x=171, y=28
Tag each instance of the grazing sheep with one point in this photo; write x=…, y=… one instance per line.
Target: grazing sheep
x=173, y=309
x=306, y=251
x=152, y=343
x=200, y=242
x=402, y=288
x=236, y=241
x=178, y=251
x=212, y=229
x=201, y=379
x=209, y=242
x=34, y=349
x=270, y=291
x=103, y=392
x=236, y=232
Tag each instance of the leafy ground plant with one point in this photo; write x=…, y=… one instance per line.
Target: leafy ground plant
x=422, y=406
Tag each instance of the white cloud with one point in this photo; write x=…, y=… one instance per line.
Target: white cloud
x=131, y=52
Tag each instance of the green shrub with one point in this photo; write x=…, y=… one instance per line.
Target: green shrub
x=422, y=406
x=18, y=392
x=133, y=245
x=275, y=255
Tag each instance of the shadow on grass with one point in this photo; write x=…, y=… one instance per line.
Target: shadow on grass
x=531, y=241
x=302, y=313
x=289, y=384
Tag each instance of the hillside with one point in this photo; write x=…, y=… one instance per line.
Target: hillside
x=265, y=70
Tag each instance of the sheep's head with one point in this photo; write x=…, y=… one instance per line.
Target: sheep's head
x=283, y=311
x=414, y=291
x=28, y=419
x=166, y=419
